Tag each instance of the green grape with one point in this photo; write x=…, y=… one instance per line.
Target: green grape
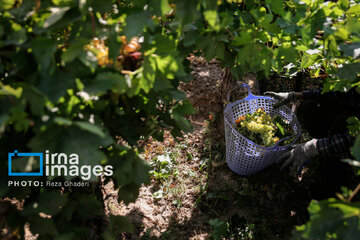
x=263, y=129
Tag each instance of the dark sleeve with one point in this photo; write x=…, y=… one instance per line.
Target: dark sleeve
x=351, y=97
x=337, y=145
x=313, y=93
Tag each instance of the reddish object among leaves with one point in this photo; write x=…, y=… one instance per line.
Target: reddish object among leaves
x=241, y=118
x=131, y=62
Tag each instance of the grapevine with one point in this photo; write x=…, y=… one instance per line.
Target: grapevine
x=263, y=129
x=74, y=78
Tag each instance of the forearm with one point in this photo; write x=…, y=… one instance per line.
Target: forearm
x=337, y=145
x=308, y=94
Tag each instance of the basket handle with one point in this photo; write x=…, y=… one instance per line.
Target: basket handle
x=250, y=95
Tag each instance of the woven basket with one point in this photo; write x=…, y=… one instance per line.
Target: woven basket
x=243, y=156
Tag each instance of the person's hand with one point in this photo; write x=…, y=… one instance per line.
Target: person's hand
x=282, y=97
x=296, y=157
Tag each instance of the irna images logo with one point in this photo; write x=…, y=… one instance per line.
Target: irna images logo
x=15, y=154
x=55, y=164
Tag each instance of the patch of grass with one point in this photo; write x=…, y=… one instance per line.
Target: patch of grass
x=147, y=235
x=163, y=168
x=173, y=178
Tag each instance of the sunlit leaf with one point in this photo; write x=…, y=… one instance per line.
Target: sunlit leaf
x=56, y=15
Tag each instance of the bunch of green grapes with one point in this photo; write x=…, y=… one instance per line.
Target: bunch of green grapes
x=261, y=128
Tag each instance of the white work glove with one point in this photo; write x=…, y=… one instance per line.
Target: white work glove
x=298, y=156
x=282, y=97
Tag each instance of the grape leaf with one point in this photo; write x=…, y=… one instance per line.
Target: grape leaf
x=276, y=6
x=280, y=128
x=348, y=71
x=56, y=15
x=136, y=23
x=74, y=51
x=70, y=140
x=55, y=86
x=308, y=60
x=329, y=217
x=351, y=50
x=6, y=4
x=355, y=150
x=354, y=9
x=42, y=226
x=106, y=81
x=49, y=203
x=101, y=6
x=8, y=90
x=119, y=224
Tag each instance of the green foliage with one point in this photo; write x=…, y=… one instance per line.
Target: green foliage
x=354, y=130
x=7, y=4
x=234, y=228
x=118, y=224
x=331, y=219
x=220, y=228
x=282, y=37
x=163, y=168
x=355, y=150
x=55, y=95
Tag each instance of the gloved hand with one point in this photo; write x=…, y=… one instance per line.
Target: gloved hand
x=283, y=97
x=298, y=156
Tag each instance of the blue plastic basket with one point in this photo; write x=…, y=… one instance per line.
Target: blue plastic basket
x=243, y=156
